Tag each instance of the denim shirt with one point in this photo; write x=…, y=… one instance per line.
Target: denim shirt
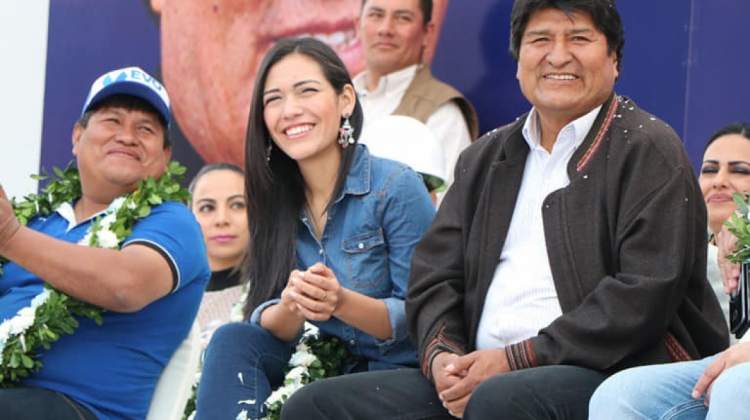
x=372, y=230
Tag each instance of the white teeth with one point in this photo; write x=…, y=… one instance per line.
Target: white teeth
x=335, y=40
x=560, y=77
x=298, y=129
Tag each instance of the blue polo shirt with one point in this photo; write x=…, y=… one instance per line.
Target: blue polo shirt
x=113, y=369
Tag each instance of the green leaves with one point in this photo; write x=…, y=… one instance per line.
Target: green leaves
x=330, y=355
x=52, y=319
x=739, y=226
x=60, y=313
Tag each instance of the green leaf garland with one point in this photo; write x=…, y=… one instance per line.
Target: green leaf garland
x=56, y=314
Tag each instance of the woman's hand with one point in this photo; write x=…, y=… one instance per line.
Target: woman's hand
x=730, y=272
x=733, y=356
x=288, y=300
x=316, y=292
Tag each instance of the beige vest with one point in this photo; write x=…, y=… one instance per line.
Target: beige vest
x=426, y=94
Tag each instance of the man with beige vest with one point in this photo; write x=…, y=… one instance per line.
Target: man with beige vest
x=394, y=34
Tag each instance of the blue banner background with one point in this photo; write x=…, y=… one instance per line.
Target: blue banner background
x=684, y=61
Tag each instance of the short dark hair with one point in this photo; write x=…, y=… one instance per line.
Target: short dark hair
x=424, y=5
x=131, y=103
x=741, y=128
x=221, y=166
x=603, y=12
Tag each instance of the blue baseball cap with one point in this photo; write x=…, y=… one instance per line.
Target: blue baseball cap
x=130, y=81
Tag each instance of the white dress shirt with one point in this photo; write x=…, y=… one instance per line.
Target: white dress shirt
x=522, y=298
x=447, y=122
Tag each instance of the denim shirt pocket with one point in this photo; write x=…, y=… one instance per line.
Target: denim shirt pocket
x=367, y=261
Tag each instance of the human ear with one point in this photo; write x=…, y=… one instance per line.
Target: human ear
x=76, y=137
x=347, y=99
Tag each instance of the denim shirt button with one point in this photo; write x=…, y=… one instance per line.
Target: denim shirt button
x=321, y=251
x=361, y=245
x=352, y=342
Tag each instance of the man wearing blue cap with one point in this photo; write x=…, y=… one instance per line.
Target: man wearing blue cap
x=150, y=288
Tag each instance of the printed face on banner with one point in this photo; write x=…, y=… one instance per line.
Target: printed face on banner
x=211, y=51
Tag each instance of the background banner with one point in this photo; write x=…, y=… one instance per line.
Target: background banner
x=684, y=61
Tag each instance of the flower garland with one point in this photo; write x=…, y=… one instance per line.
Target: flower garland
x=317, y=356
x=52, y=313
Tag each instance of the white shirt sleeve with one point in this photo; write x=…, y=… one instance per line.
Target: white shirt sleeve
x=450, y=128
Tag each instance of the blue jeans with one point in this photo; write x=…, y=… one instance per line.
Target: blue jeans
x=663, y=392
x=40, y=404
x=243, y=364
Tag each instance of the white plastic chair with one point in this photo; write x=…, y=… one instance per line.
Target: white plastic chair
x=175, y=383
x=407, y=140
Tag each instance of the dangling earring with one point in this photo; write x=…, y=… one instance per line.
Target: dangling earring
x=268, y=152
x=346, y=133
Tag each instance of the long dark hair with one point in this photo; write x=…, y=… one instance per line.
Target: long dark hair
x=274, y=185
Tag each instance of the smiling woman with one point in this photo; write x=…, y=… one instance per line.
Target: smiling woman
x=332, y=233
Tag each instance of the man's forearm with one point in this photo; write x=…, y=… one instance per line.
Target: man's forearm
x=122, y=281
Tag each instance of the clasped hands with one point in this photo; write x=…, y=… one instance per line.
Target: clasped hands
x=314, y=293
x=456, y=377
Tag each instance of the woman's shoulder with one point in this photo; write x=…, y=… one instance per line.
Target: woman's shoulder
x=386, y=172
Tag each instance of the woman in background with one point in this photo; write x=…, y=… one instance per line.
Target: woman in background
x=332, y=231
x=725, y=171
x=218, y=203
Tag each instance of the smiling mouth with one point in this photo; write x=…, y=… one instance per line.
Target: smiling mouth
x=337, y=40
x=123, y=154
x=298, y=129
x=560, y=77
x=720, y=199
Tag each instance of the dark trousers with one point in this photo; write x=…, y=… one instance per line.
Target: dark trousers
x=550, y=392
x=40, y=404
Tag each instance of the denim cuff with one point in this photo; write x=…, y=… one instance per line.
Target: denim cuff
x=255, y=316
x=397, y=316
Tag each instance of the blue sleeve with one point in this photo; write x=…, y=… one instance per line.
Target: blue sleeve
x=255, y=316
x=172, y=231
x=407, y=213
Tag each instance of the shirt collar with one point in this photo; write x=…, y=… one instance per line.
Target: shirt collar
x=579, y=128
x=67, y=212
x=399, y=79
x=358, y=180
